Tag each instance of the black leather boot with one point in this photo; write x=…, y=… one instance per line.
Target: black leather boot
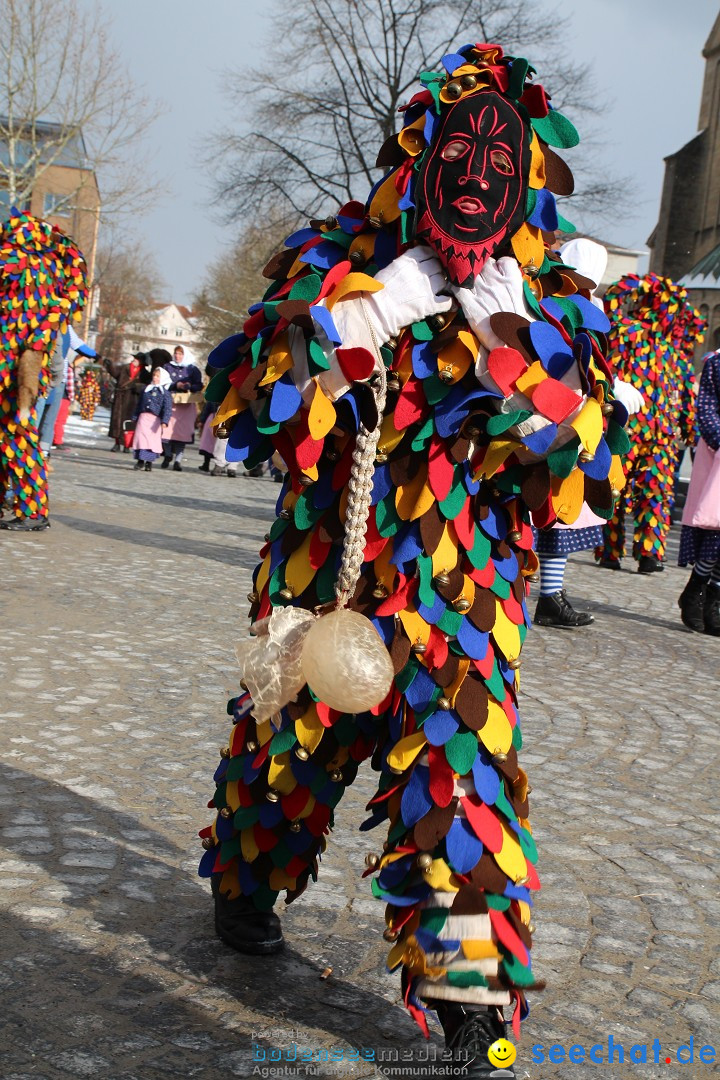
x=711, y=610
x=556, y=610
x=470, y=1031
x=692, y=604
x=240, y=924
x=648, y=564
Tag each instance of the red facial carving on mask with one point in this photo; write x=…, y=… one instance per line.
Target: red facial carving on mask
x=471, y=190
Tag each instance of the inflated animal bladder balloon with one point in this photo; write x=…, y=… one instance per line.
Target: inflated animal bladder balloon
x=345, y=662
x=270, y=661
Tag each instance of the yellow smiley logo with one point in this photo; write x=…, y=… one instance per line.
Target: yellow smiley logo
x=502, y=1053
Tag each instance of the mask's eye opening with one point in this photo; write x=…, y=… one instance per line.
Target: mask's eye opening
x=455, y=150
x=501, y=162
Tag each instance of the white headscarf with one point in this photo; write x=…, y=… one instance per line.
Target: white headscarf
x=589, y=258
x=187, y=357
x=165, y=380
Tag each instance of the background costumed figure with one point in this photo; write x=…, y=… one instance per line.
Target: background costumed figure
x=651, y=345
x=88, y=395
x=433, y=328
x=43, y=288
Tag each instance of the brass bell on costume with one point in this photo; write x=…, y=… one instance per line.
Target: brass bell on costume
x=331, y=221
x=305, y=480
x=287, y=593
x=441, y=579
x=616, y=493
x=444, y=703
x=393, y=383
x=285, y=514
x=372, y=861
x=469, y=82
x=586, y=455
x=208, y=843
x=380, y=592
x=500, y=756
x=381, y=456
x=446, y=375
x=224, y=751
x=419, y=647
x=514, y=536
x=357, y=258
x=453, y=90
x=461, y=605
x=514, y=664
x=272, y=795
x=226, y=812
x=375, y=222
x=391, y=935
x=253, y=597
x=302, y=753
x=608, y=408
x=221, y=432
x=295, y=826
x=336, y=776
x=252, y=746
x=424, y=861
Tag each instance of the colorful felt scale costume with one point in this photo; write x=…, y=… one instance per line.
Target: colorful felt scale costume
x=88, y=395
x=651, y=345
x=500, y=405
x=42, y=288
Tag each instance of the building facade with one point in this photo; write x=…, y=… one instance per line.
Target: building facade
x=685, y=244
x=171, y=325
x=65, y=190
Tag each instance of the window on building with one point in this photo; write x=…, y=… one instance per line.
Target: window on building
x=163, y=331
x=136, y=327
x=178, y=332
x=136, y=346
x=56, y=205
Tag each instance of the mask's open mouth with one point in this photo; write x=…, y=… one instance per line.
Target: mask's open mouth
x=468, y=205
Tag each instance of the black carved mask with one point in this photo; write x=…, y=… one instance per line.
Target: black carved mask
x=471, y=190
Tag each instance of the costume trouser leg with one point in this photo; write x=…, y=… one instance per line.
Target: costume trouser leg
x=653, y=488
x=456, y=868
x=22, y=462
x=647, y=498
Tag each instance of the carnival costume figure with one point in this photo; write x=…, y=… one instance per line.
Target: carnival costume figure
x=429, y=372
x=43, y=288
x=89, y=395
x=651, y=345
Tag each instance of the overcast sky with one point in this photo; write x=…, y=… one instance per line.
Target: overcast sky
x=648, y=53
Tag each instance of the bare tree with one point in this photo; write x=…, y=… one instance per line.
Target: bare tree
x=234, y=281
x=128, y=281
x=64, y=91
x=318, y=116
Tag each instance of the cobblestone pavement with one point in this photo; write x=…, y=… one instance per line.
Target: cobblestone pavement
x=119, y=624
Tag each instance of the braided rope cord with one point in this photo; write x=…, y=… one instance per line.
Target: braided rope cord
x=360, y=487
